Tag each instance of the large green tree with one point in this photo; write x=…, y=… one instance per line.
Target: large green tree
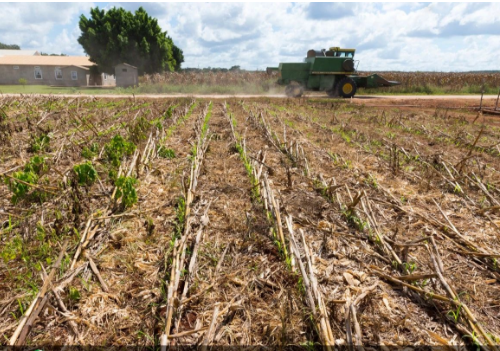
x=119, y=36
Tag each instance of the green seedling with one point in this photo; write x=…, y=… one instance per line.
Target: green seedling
x=410, y=267
x=170, y=111
x=180, y=216
x=166, y=153
x=74, y=294
x=172, y=128
x=455, y=314
x=474, y=338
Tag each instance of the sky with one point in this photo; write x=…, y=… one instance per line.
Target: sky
x=406, y=36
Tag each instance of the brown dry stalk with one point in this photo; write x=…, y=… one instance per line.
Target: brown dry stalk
x=438, y=267
x=270, y=200
x=62, y=306
x=414, y=277
x=314, y=297
x=37, y=304
x=211, y=329
x=180, y=245
x=462, y=162
x=190, y=271
x=428, y=294
x=96, y=272
x=33, y=185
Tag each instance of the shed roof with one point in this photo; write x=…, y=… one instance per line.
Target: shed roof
x=46, y=61
x=126, y=64
x=7, y=52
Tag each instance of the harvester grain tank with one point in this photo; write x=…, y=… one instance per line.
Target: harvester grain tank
x=333, y=71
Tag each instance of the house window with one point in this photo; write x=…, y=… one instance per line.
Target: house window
x=58, y=72
x=74, y=75
x=16, y=67
x=38, y=72
x=105, y=76
x=124, y=70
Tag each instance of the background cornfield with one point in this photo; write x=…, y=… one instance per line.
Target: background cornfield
x=442, y=82
x=259, y=82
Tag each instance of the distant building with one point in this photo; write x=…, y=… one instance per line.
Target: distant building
x=70, y=71
x=126, y=75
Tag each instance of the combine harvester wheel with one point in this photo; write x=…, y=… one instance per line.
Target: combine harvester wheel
x=346, y=88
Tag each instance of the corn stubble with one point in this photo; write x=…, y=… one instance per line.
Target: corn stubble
x=162, y=223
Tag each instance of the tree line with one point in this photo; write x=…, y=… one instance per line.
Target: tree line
x=9, y=47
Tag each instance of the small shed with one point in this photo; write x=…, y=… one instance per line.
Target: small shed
x=126, y=75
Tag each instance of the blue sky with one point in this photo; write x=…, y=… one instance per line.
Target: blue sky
x=388, y=36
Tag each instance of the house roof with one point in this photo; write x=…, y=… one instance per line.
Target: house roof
x=46, y=61
x=6, y=52
x=82, y=67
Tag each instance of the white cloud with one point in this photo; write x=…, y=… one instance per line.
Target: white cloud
x=30, y=25
x=387, y=36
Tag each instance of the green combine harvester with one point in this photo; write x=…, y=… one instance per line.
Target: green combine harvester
x=333, y=71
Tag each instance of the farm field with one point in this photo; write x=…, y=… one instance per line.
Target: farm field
x=258, y=221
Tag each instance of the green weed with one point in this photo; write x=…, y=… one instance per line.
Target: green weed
x=354, y=220
x=117, y=148
x=39, y=143
x=12, y=249
x=371, y=182
x=138, y=130
x=36, y=165
x=20, y=189
x=90, y=152
x=85, y=173
x=125, y=189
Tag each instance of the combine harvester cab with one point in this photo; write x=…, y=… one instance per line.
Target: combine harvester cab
x=333, y=71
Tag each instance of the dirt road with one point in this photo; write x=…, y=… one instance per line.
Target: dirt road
x=432, y=101
x=226, y=96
